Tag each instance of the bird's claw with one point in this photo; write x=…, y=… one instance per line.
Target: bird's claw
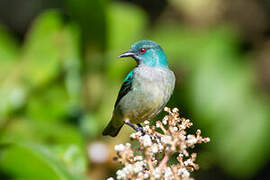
x=139, y=128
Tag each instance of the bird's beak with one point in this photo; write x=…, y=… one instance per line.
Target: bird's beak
x=129, y=53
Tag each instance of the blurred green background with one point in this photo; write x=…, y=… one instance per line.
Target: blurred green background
x=60, y=75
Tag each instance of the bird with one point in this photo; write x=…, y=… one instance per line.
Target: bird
x=145, y=90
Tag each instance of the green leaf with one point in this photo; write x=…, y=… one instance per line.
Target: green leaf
x=37, y=65
x=126, y=23
x=49, y=105
x=71, y=58
x=12, y=95
x=52, y=133
x=90, y=126
x=8, y=47
x=73, y=157
x=91, y=18
x=41, y=55
x=32, y=161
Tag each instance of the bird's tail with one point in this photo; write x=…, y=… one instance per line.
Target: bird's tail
x=111, y=129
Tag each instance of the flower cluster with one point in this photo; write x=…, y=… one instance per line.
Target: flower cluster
x=157, y=144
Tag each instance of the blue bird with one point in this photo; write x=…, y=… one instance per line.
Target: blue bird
x=146, y=89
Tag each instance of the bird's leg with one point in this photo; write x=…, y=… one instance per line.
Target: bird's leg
x=136, y=128
x=139, y=126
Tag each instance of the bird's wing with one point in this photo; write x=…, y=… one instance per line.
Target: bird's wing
x=125, y=88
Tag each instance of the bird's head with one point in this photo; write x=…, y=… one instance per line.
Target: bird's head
x=148, y=53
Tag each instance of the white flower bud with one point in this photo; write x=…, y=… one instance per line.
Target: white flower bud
x=128, y=168
x=140, y=174
x=160, y=147
x=157, y=173
x=168, y=172
x=154, y=148
x=187, y=162
x=166, y=139
x=180, y=155
x=146, y=122
x=146, y=176
x=138, y=158
x=182, y=126
x=165, y=120
x=191, y=139
x=146, y=128
x=121, y=174
x=166, y=109
x=133, y=136
x=146, y=140
x=183, y=172
x=138, y=167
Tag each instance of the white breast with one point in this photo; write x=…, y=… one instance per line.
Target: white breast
x=151, y=90
x=156, y=81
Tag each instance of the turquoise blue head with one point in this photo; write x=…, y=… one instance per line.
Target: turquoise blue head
x=148, y=53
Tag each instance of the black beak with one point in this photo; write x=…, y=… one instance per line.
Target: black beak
x=127, y=54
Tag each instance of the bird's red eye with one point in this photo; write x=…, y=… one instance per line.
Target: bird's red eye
x=142, y=50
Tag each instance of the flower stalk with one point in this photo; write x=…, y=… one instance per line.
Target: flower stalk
x=157, y=145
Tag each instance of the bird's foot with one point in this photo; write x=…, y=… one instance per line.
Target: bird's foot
x=136, y=128
x=139, y=127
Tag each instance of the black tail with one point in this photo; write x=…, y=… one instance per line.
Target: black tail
x=111, y=130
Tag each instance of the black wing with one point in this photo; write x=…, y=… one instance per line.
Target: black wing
x=125, y=88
